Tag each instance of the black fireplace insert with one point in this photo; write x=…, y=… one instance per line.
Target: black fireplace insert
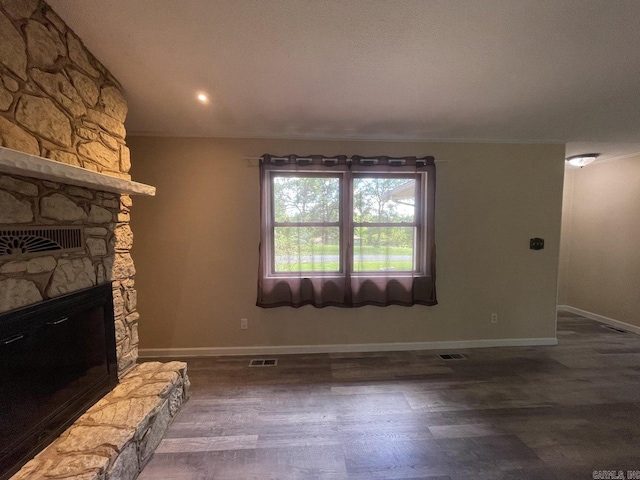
x=57, y=358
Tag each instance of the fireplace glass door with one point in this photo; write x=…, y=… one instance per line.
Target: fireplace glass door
x=57, y=358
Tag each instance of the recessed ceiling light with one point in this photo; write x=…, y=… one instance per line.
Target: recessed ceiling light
x=202, y=98
x=582, y=160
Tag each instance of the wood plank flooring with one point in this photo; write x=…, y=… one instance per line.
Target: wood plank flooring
x=502, y=414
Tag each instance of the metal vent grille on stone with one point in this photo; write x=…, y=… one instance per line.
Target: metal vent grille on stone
x=31, y=241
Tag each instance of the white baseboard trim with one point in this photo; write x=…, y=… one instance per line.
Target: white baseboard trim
x=345, y=348
x=601, y=318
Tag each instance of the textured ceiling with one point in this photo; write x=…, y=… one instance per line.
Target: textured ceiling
x=462, y=70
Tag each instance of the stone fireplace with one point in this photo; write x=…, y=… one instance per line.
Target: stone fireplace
x=58, y=102
x=31, y=209
x=65, y=204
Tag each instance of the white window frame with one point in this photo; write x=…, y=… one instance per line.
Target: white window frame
x=346, y=223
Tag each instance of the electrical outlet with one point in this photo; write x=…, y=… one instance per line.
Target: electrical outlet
x=244, y=323
x=494, y=318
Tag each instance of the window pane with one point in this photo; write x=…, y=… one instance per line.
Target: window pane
x=383, y=199
x=306, y=199
x=384, y=249
x=307, y=249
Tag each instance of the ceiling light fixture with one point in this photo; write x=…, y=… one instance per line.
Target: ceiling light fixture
x=582, y=159
x=203, y=98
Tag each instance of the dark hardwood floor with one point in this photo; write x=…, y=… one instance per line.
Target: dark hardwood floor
x=521, y=413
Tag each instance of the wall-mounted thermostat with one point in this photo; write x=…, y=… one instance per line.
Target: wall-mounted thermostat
x=536, y=243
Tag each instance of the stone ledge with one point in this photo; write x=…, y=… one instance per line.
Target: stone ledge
x=116, y=437
x=26, y=165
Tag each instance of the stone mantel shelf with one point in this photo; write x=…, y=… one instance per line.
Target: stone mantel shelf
x=26, y=165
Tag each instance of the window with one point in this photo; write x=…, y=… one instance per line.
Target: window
x=387, y=227
x=307, y=220
x=346, y=231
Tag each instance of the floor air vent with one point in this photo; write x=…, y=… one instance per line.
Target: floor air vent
x=452, y=356
x=614, y=329
x=35, y=240
x=264, y=362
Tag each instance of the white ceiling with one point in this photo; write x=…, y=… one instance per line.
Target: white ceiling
x=461, y=70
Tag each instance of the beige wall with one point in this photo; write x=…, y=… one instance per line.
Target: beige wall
x=196, y=246
x=565, y=234
x=600, y=256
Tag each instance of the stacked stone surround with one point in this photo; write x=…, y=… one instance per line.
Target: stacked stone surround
x=104, y=218
x=58, y=102
x=116, y=437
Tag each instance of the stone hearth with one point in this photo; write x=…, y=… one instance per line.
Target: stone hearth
x=116, y=437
